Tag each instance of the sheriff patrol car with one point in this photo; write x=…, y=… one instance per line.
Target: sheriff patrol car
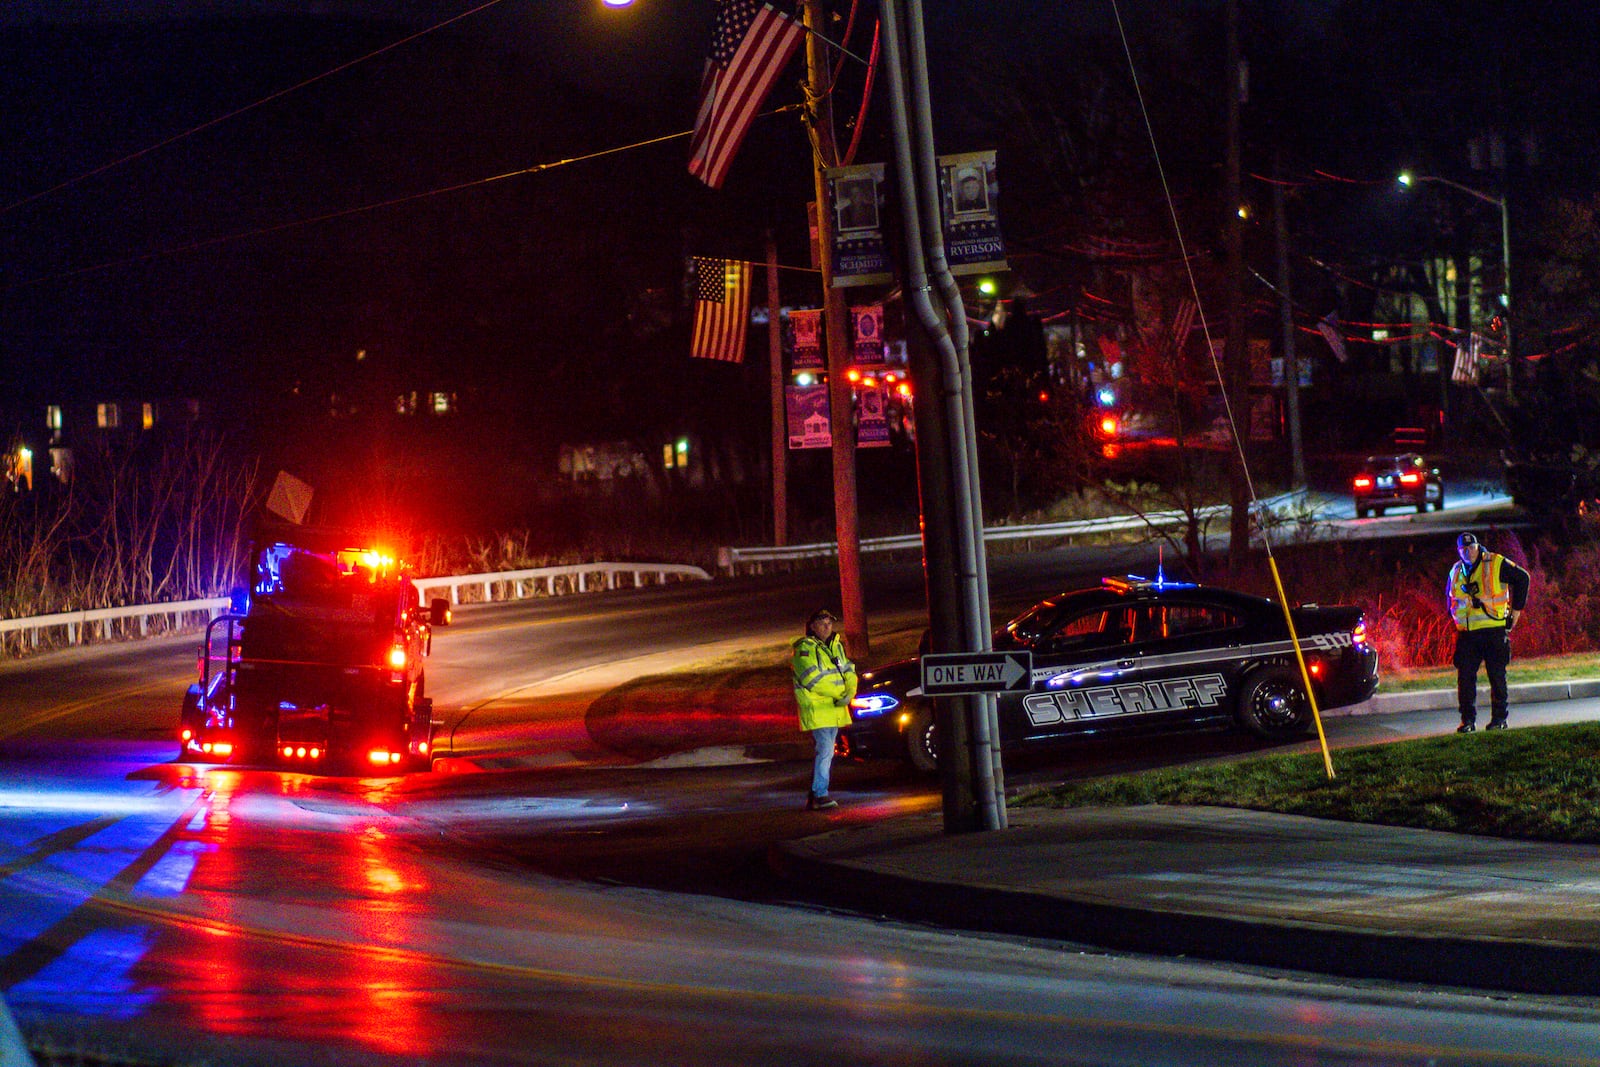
x=1140, y=655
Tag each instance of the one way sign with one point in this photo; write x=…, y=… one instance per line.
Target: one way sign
x=976, y=672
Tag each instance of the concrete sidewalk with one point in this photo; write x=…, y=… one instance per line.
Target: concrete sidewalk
x=1242, y=886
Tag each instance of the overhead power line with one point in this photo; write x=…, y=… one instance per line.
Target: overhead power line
x=175, y=138
x=262, y=231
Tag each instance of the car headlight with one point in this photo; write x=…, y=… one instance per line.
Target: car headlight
x=873, y=704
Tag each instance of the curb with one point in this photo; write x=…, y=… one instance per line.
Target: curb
x=1495, y=964
x=1445, y=699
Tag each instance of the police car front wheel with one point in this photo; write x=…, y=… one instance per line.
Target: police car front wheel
x=922, y=740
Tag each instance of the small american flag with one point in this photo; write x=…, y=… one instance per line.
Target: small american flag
x=1465, y=371
x=721, y=309
x=751, y=45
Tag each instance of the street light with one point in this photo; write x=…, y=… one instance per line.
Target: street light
x=1406, y=178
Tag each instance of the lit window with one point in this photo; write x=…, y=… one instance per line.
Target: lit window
x=52, y=417
x=147, y=416
x=668, y=456
x=442, y=403
x=107, y=417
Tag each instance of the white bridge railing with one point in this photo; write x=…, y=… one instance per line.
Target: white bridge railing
x=82, y=627
x=753, y=560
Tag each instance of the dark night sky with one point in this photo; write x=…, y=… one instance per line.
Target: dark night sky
x=496, y=279
x=464, y=275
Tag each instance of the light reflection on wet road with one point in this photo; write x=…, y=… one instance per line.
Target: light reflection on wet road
x=290, y=919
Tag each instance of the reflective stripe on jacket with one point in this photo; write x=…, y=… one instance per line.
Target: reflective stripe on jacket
x=824, y=682
x=1494, y=595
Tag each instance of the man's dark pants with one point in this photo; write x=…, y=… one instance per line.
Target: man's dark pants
x=1492, y=648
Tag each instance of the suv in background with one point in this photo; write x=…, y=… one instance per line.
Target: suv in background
x=1403, y=480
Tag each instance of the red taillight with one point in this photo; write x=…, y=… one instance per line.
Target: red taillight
x=1410, y=479
x=383, y=757
x=1363, y=482
x=397, y=657
x=1315, y=667
x=1108, y=425
x=186, y=735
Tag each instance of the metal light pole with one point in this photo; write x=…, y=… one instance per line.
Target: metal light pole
x=1505, y=263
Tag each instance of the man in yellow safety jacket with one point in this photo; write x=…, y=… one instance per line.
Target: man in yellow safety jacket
x=824, y=684
x=1487, y=592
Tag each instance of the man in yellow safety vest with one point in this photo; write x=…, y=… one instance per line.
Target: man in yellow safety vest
x=1487, y=593
x=824, y=683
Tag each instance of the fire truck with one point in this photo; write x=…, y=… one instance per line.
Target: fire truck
x=318, y=663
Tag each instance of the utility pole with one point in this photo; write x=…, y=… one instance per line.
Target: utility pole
x=1236, y=356
x=819, y=85
x=934, y=298
x=1291, y=361
x=780, y=429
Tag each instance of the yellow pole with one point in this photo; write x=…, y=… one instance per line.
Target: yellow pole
x=1305, y=676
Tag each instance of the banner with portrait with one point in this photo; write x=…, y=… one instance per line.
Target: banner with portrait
x=806, y=410
x=805, y=330
x=969, y=208
x=860, y=254
x=872, y=416
x=867, y=325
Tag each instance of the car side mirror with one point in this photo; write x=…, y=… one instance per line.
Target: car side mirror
x=439, y=611
x=238, y=600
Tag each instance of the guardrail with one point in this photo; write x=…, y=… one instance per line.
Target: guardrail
x=753, y=560
x=82, y=627
x=560, y=581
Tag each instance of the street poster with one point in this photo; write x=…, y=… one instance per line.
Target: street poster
x=872, y=417
x=860, y=254
x=807, y=410
x=868, y=323
x=807, y=327
x=969, y=203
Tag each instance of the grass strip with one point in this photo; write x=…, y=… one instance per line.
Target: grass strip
x=1538, y=783
x=1567, y=668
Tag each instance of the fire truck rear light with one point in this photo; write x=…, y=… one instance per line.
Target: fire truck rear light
x=422, y=748
x=288, y=750
x=222, y=748
x=186, y=735
x=397, y=656
x=316, y=753
x=379, y=756
x=206, y=747
x=300, y=752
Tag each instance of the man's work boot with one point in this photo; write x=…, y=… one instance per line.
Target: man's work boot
x=1466, y=728
x=1496, y=724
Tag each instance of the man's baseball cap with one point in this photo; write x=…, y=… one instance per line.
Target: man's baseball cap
x=1466, y=540
x=820, y=614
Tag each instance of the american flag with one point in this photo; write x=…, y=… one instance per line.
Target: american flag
x=1465, y=371
x=721, y=309
x=751, y=45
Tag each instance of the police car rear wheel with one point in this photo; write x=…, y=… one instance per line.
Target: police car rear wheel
x=1273, y=705
x=922, y=741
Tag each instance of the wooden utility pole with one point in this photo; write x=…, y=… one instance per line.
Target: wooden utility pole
x=1291, y=360
x=819, y=80
x=780, y=429
x=1236, y=353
